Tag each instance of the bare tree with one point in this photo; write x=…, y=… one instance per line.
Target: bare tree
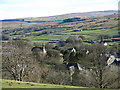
x=16, y=59
x=96, y=71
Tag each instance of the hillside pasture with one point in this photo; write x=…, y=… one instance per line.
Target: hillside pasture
x=20, y=84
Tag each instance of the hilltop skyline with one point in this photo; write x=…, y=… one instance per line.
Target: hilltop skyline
x=40, y=8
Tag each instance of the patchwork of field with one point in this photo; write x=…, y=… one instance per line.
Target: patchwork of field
x=90, y=28
x=89, y=35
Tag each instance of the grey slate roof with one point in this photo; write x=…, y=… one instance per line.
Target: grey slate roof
x=41, y=48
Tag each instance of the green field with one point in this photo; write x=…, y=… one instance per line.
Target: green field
x=89, y=35
x=20, y=84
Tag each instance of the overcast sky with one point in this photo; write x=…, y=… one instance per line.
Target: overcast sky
x=37, y=8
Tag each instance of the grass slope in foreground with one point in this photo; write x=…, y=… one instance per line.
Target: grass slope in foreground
x=20, y=84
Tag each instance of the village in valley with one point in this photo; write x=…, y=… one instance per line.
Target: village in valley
x=71, y=49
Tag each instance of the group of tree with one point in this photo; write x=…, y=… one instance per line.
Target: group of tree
x=95, y=65
x=22, y=64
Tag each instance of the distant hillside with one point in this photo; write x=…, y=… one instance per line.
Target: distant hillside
x=90, y=28
x=64, y=16
x=71, y=15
